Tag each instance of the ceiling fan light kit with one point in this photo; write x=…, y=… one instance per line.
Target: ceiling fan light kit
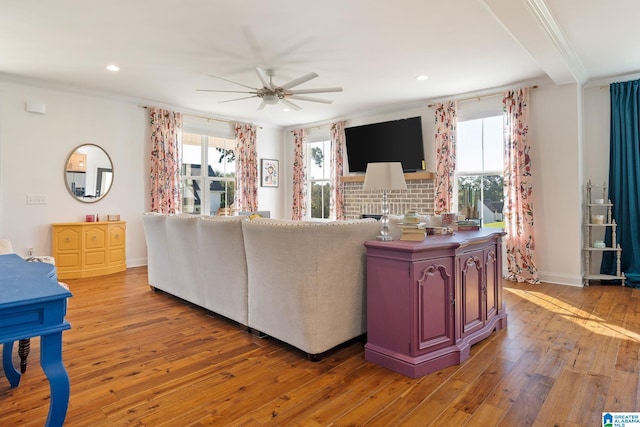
x=271, y=94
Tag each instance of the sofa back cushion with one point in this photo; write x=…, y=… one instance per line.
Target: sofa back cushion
x=223, y=266
x=307, y=280
x=182, y=242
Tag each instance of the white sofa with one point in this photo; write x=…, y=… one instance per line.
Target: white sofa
x=300, y=282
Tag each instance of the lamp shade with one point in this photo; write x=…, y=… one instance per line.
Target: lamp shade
x=384, y=176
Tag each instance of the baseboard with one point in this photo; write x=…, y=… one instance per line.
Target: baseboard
x=136, y=262
x=560, y=279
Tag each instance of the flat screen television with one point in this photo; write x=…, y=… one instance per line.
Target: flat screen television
x=393, y=141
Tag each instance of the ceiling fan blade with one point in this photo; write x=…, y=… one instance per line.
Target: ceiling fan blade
x=321, y=90
x=262, y=75
x=225, y=91
x=291, y=104
x=231, y=81
x=308, y=98
x=262, y=105
x=299, y=80
x=237, y=99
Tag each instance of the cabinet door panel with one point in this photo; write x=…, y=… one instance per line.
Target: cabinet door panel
x=94, y=238
x=492, y=282
x=471, y=292
x=388, y=305
x=95, y=259
x=67, y=239
x=435, y=326
x=116, y=236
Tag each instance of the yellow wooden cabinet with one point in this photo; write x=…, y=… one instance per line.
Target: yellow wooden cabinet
x=77, y=163
x=87, y=249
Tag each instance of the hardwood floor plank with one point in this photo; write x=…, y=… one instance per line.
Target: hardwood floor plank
x=525, y=407
x=624, y=392
x=141, y=358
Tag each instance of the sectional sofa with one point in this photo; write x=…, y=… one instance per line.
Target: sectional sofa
x=300, y=282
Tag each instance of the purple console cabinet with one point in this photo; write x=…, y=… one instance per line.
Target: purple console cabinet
x=428, y=302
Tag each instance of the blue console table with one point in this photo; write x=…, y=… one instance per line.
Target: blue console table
x=33, y=304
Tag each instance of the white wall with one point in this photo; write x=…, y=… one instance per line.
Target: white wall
x=35, y=148
x=557, y=198
x=597, y=117
x=33, y=153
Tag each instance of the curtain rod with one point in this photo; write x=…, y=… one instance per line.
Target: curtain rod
x=206, y=118
x=479, y=97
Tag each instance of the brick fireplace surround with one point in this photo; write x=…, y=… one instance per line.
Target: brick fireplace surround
x=418, y=196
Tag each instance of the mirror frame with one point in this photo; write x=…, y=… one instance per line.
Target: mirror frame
x=99, y=169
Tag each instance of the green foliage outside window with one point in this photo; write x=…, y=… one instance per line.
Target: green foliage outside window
x=320, y=194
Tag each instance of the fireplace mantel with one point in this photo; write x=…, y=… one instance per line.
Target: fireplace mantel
x=407, y=176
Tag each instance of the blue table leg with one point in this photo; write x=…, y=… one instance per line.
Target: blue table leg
x=7, y=364
x=51, y=361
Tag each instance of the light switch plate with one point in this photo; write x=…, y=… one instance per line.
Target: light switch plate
x=36, y=199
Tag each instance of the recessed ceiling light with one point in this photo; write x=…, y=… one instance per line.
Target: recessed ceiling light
x=113, y=67
x=422, y=77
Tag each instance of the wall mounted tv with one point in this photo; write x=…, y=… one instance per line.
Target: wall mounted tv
x=394, y=141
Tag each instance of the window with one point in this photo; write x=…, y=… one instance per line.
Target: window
x=479, y=172
x=218, y=177
x=318, y=179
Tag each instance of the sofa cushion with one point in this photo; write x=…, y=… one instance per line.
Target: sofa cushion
x=223, y=266
x=307, y=280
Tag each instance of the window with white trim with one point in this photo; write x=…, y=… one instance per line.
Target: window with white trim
x=318, y=179
x=479, y=170
x=210, y=190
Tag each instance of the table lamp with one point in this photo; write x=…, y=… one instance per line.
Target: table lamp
x=384, y=176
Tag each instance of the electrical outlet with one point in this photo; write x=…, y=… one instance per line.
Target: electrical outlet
x=36, y=199
x=29, y=251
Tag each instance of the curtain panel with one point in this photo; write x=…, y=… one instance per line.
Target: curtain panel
x=337, y=167
x=518, y=188
x=624, y=180
x=299, y=174
x=164, y=177
x=445, y=138
x=246, y=192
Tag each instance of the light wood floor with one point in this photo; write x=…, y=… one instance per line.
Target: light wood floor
x=139, y=358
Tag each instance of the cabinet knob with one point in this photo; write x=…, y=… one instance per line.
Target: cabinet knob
x=67, y=240
x=94, y=237
x=117, y=236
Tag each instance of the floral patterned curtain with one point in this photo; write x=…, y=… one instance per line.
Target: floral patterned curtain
x=518, y=188
x=164, y=176
x=446, y=121
x=246, y=192
x=299, y=174
x=337, y=167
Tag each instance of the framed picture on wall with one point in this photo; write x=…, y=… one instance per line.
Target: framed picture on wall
x=269, y=173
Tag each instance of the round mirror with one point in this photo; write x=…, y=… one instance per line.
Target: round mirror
x=88, y=173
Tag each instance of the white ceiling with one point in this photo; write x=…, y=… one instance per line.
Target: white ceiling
x=374, y=49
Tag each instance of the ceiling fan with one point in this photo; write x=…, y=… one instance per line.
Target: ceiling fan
x=271, y=93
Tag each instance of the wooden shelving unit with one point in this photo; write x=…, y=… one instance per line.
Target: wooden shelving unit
x=604, y=208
